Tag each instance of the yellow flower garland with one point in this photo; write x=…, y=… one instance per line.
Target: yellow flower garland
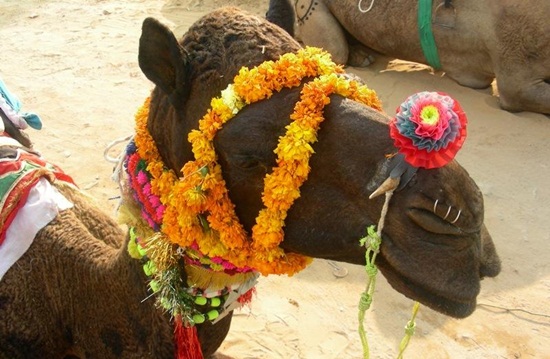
x=198, y=208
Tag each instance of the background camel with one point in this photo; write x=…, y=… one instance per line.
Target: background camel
x=476, y=41
x=314, y=314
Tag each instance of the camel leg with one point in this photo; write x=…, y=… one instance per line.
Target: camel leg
x=524, y=86
x=318, y=27
x=471, y=80
x=521, y=94
x=359, y=54
x=523, y=58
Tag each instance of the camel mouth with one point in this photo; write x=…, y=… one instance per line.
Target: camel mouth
x=449, y=305
x=451, y=293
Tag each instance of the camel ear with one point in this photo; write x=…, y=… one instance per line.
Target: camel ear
x=281, y=13
x=162, y=59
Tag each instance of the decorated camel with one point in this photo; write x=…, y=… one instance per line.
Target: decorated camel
x=211, y=206
x=474, y=42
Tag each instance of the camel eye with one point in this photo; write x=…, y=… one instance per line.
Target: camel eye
x=247, y=162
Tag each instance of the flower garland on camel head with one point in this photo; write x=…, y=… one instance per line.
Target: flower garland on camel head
x=202, y=189
x=189, y=218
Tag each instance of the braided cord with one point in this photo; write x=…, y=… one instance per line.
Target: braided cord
x=409, y=331
x=372, y=242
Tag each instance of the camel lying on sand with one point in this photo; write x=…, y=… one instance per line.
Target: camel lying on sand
x=473, y=41
x=78, y=292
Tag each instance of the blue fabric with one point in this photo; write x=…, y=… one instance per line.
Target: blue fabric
x=32, y=119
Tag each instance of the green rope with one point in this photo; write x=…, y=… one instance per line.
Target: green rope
x=409, y=331
x=372, y=242
x=427, y=40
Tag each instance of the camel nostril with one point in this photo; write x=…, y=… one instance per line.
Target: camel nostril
x=452, y=219
x=432, y=222
x=457, y=216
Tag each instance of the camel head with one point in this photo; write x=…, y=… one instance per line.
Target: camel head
x=435, y=247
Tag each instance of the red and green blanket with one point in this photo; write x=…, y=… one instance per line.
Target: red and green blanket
x=17, y=176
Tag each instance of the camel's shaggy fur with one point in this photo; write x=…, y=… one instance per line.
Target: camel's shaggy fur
x=77, y=292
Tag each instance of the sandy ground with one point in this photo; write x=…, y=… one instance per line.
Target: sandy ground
x=74, y=62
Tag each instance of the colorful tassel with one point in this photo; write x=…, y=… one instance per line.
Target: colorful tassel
x=186, y=341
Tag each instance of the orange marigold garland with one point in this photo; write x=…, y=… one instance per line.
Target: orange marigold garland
x=190, y=220
x=198, y=209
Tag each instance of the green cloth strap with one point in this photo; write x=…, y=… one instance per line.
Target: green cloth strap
x=427, y=40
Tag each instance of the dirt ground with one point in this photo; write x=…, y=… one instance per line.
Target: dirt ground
x=75, y=63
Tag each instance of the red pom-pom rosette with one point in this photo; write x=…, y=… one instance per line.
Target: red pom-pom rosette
x=429, y=129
